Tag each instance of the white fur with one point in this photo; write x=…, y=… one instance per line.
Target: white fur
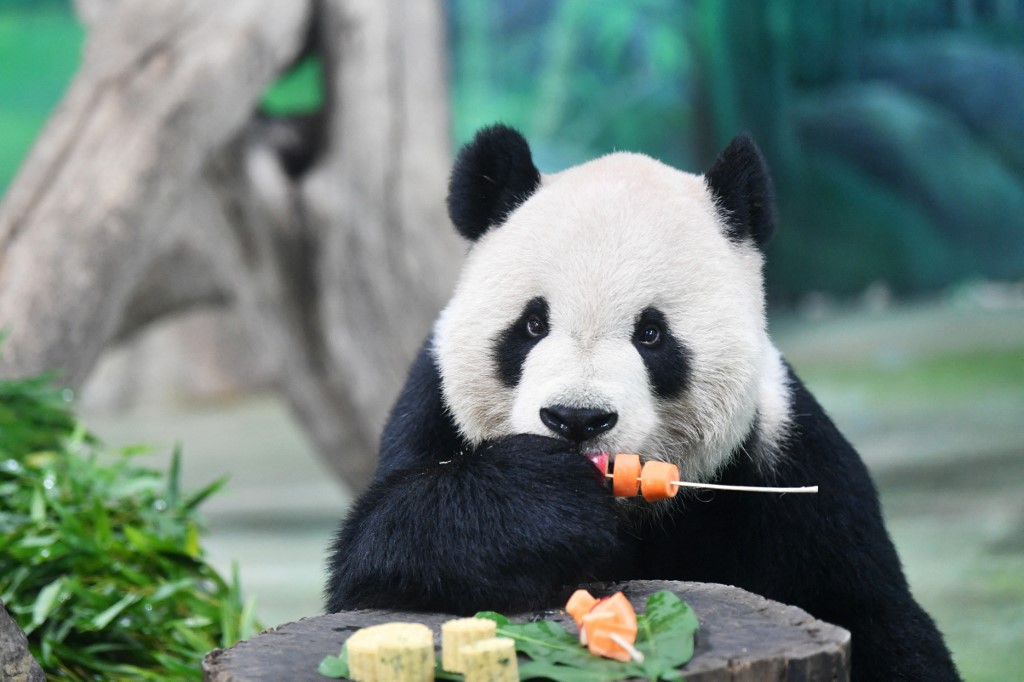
x=601, y=242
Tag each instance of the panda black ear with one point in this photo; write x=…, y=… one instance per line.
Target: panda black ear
x=492, y=176
x=742, y=188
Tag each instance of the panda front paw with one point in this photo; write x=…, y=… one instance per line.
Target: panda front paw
x=504, y=527
x=548, y=521
x=560, y=498
x=546, y=465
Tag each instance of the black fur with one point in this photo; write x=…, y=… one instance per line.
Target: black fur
x=668, y=361
x=742, y=187
x=444, y=527
x=515, y=343
x=448, y=528
x=492, y=175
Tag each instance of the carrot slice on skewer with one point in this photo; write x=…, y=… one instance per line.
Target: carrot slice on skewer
x=656, y=480
x=626, y=476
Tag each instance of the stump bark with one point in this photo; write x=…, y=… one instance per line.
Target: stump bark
x=16, y=661
x=742, y=638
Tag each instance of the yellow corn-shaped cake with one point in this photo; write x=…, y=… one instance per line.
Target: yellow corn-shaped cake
x=392, y=652
x=458, y=633
x=490, y=660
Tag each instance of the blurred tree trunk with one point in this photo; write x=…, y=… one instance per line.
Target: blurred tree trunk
x=158, y=186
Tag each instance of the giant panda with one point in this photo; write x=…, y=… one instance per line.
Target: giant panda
x=618, y=306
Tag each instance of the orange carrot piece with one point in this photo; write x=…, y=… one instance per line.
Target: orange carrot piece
x=618, y=606
x=610, y=616
x=579, y=605
x=655, y=480
x=626, y=476
x=599, y=627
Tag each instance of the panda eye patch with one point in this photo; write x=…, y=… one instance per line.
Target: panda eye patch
x=518, y=339
x=667, y=359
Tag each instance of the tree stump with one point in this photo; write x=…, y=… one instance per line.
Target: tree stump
x=16, y=661
x=742, y=637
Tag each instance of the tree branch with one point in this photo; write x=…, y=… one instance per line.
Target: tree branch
x=163, y=82
x=182, y=275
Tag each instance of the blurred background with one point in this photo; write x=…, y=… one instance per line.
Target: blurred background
x=895, y=133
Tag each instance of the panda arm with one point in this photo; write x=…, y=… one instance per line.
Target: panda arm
x=445, y=527
x=419, y=430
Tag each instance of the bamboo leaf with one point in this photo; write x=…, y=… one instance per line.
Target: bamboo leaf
x=198, y=498
x=45, y=601
x=89, y=538
x=174, y=477
x=102, y=620
x=37, y=512
x=192, y=547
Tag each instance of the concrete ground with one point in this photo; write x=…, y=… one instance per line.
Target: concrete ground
x=932, y=396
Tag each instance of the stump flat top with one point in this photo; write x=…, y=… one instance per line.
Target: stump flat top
x=742, y=637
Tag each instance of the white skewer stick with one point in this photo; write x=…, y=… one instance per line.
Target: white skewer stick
x=746, y=488
x=739, y=488
x=633, y=653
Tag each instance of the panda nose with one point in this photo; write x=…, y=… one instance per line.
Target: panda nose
x=577, y=423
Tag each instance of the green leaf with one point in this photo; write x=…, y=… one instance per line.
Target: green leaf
x=192, y=547
x=102, y=620
x=174, y=477
x=335, y=666
x=247, y=626
x=169, y=589
x=557, y=655
x=665, y=633
x=332, y=666
x=493, y=615
x=198, y=498
x=45, y=601
x=37, y=512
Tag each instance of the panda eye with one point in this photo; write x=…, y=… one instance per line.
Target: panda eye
x=536, y=327
x=649, y=335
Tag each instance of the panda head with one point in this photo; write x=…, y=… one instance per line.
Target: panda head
x=618, y=304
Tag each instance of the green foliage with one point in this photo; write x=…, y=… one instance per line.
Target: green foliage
x=929, y=183
x=33, y=417
x=578, y=78
x=100, y=561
